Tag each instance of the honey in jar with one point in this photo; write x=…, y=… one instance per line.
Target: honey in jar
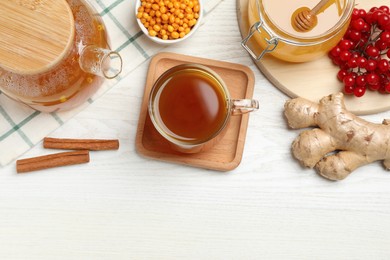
x=273, y=31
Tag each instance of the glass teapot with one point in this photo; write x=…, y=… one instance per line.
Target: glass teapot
x=54, y=54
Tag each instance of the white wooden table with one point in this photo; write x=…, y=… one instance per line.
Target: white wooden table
x=123, y=206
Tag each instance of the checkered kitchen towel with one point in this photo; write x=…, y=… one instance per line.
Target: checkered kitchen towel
x=21, y=127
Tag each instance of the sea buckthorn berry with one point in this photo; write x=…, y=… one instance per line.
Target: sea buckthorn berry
x=192, y=22
x=152, y=33
x=175, y=35
x=157, y=27
x=196, y=8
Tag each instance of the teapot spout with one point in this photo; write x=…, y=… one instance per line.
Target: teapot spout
x=101, y=62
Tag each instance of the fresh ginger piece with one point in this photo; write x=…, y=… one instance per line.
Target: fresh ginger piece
x=341, y=141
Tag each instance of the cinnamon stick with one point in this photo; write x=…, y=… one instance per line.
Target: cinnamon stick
x=81, y=144
x=52, y=160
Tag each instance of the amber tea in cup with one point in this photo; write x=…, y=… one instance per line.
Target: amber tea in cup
x=190, y=106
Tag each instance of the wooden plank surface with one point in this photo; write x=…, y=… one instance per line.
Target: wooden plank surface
x=125, y=206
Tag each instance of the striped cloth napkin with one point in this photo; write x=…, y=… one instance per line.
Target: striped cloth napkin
x=21, y=127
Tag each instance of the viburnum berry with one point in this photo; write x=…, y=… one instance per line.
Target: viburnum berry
x=345, y=45
x=376, y=14
x=364, y=52
x=349, y=80
x=372, y=51
x=352, y=63
x=374, y=8
x=385, y=37
x=342, y=73
x=354, y=35
x=359, y=91
x=387, y=87
x=381, y=45
x=348, y=89
x=383, y=20
x=361, y=81
x=358, y=24
x=383, y=65
x=375, y=87
x=362, y=13
x=335, y=51
x=355, y=14
x=384, y=8
x=371, y=65
x=362, y=62
x=345, y=55
x=372, y=79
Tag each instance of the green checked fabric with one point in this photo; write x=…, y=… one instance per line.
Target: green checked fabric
x=22, y=127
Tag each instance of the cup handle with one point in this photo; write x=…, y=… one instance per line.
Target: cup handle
x=243, y=106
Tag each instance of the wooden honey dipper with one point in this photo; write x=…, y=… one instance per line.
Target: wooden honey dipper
x=304, y=19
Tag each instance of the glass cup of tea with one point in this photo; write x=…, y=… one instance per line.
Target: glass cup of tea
x=190, y=106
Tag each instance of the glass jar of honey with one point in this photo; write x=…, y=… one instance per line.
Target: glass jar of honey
x=273, y=30
x=54, y=54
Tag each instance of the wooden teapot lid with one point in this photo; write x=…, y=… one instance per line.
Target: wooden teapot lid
x=34, y=34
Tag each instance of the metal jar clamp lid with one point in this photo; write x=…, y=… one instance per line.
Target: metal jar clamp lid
x=272, y=41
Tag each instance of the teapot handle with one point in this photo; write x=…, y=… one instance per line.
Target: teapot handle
x=101, y=62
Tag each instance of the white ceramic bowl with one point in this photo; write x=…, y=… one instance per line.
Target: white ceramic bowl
x=168, y=42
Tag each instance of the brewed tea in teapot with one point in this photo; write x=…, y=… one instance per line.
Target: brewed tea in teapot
x=54, y=54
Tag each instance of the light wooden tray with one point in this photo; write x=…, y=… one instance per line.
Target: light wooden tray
x=224, y=156
x=313, y=80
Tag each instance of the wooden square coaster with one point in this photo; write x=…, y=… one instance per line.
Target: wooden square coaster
x=224, y=156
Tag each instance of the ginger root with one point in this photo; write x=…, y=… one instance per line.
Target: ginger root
x=343, y=141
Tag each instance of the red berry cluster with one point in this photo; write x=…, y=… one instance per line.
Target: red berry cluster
x=363, y=53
